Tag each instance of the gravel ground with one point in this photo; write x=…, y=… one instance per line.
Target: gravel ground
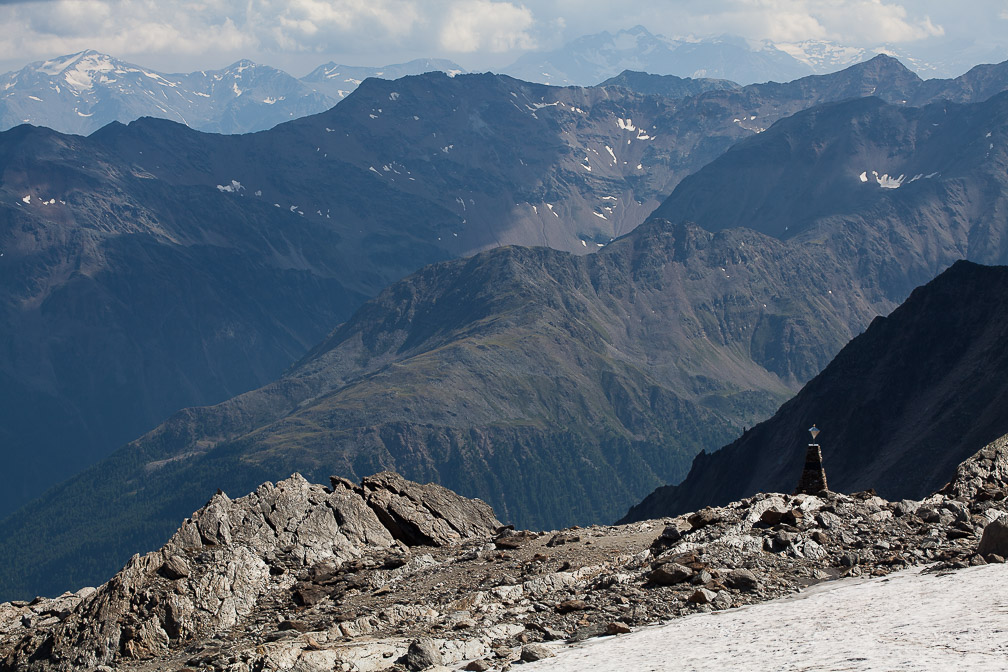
x=908, y=621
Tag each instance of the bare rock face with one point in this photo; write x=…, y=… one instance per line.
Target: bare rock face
x=232, y=555
x=424, y=515
x=984, y=476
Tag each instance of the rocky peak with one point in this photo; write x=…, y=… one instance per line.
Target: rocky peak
x=984, y=476
x=232, y=557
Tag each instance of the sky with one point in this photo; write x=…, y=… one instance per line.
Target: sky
x=298, y=35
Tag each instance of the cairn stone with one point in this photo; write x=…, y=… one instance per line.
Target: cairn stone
x=813, y=478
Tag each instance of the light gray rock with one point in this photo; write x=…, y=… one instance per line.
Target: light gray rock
x=530, y=653
x=423, y=654
x=722, y=600
x=427, y=515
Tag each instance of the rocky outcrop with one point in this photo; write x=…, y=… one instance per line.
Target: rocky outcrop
x=424, y=515
x=301, y=577
x=232, y=557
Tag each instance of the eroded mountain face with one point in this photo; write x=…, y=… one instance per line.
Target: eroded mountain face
x=899, y=406
x=394, y=575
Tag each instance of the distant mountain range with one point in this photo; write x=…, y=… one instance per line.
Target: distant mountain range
x=83, y=92
x=899, y=407
x=495, y=373
x=147, y=238
x=593, y=58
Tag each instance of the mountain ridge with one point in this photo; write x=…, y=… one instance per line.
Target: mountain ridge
x=630, y=389
x=83, y=92
x=920, y=389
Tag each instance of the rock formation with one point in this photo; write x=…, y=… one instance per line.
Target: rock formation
x=813, y=478
x=390, y=574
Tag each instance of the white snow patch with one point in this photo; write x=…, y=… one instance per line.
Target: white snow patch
x=609, y=198
x=584, y=244
x=372, y=169
x=625, y=124
x=270, y=100
x=988, y=134
x=447, y=148
x=27, y=199
x=640, y=167
x=905, y=621
x=201, y=95
x=609, y=149
x=373, y=116
x=81, y=114
x=863, y=176
x=394, y=95
x=234, y=87
x=599, y=214
x=35, y=98
x=887, y=182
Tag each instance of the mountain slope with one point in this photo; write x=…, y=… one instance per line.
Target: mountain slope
x=145, y=238
x=654, y=391
x=899, y=407
x=669, y=86
x=491, y=375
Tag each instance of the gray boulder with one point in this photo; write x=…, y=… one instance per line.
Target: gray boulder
x=423, y=654
x=424, y=515
x=995, y=539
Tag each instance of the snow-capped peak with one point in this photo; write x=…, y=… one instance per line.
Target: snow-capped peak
x=821, y=55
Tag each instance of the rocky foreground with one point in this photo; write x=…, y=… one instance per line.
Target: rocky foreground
x=390, y=574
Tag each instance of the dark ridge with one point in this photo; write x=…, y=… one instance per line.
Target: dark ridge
x=899, y=407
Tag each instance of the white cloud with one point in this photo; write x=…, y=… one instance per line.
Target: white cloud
x=477, y=25
x=488, y=33
x=848, y=21
x=127, y=27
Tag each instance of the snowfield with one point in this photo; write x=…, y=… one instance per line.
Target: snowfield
x=907, y=621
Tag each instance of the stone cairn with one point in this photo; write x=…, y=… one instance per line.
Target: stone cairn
x=813, y=478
